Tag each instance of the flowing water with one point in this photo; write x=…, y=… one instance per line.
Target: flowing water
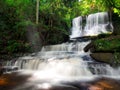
x=95, y=24
x=67, y=62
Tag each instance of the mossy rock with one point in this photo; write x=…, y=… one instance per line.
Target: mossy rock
x=107, y=44
x=102, y=57
x=111, y=58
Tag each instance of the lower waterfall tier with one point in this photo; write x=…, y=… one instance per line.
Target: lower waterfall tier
x=62, y=62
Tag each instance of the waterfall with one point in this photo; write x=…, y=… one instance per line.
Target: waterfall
x=97, y=23
x=68, y=61
x=77, y=27
x=64, y=62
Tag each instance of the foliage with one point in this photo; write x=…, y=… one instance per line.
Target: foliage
x=116, y=59
x=54, y=20
x=116, y=24
x=92, y=6
x=109, y=44
x=112, y=45
x=24, y=8
x=12, y=32
x=15, y=46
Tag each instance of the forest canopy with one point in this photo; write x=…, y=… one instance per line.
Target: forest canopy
x=55, y=18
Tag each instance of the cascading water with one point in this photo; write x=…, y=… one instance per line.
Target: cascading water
x=68, y=61
x=65, y=62
x=58, y=62
x=77, y=27
x=97, y=23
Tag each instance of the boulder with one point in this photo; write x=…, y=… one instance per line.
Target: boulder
x=1, y=71
x=105, y=84
x=6, y=69
x=102, y=57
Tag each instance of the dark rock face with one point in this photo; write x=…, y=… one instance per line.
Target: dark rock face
x=14, y=81
x=90, y=47
x=63, y=87
x=6, y=69
x=33, y=38
x=9, y=68
x=105, y=84
x=1, y=71
x=102, y=57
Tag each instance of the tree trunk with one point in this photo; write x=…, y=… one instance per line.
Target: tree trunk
x=37, y=11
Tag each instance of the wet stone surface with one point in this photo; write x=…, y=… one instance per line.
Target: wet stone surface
x=16, y=81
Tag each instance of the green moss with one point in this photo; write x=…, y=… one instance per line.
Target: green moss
x=107, y=44
x=116, y=59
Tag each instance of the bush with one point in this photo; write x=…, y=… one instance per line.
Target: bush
x=107, y=45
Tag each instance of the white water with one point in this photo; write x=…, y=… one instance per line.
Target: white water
x=97, y=23
x=57, y=62
x=77, y=27
x=64, y=62
x=67, y=61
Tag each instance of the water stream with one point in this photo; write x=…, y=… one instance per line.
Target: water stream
x=68, y=61
x=65, y=62
x=95, y=24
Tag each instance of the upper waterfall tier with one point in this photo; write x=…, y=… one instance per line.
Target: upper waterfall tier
x=95, y=24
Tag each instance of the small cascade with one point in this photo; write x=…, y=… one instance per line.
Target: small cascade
x=64, y=62
x=70, y=47
x=95, y=24
x=68, y=61
x=55, y=53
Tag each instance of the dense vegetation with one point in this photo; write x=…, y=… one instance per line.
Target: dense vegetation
x=54, y=20
x=111, y=44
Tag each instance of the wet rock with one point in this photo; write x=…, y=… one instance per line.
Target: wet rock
x=102, y=57
x=1, y=71
x=90, y=47
x=10, y=81
x=16, y=81
x=63, y=87
x=105, y=84
x=95, y=87
x=6, y=69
